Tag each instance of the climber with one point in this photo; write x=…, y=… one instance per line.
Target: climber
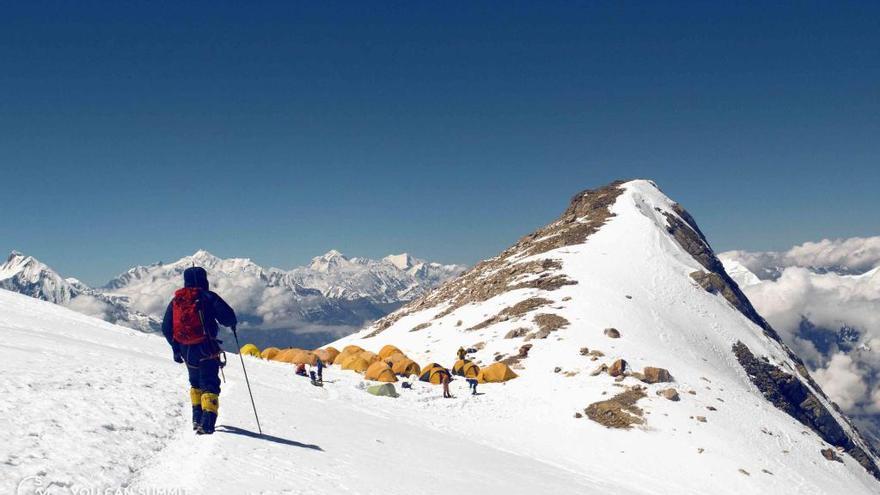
x=190, y=326
x=445, y=378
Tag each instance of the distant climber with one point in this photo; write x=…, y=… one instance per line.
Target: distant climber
x=301, y=370
x=472, y=384
x=445, y=378
x=319, y=364
x=462, y=353
x=190, y=326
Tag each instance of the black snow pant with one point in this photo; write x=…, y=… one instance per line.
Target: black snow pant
x=203, y=365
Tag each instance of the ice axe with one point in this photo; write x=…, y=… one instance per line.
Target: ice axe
x=238, y=345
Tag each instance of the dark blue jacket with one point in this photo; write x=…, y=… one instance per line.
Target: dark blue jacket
x=215, y=311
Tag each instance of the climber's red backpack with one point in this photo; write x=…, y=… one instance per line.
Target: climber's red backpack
x=187, y=310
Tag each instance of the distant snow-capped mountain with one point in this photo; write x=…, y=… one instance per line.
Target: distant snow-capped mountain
x=27, y=275
x=333, y=295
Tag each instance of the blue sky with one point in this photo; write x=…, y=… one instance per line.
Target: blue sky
x=132, y=132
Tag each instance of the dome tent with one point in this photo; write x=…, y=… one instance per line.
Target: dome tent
x=383, y=390
x=432, y=373
x=249, y=350
x=300, y=356
x=380, y=372
x=394, y=358
x=496, y=373
x=347, y=352
x=405, y=367
x=388, y=351
x=285, y=354
x=355, y=363
x=327, y=354
x=352, y=349
x=465, y=368
x=270, y=352
x=369, y=357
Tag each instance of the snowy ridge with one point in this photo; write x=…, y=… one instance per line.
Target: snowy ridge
x=28, y=276
x=633, y=273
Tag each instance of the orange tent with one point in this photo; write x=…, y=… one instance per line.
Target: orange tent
x=496, y=373
x=352, y=349
x=388, y=351
x=347, y=352
x=327, y=354
x=300, y=356
x=380, y=372
x=369, y=357
x=466, y=369
x=270, y=352
x=405, y=367
x=355, y=363
x=285, y=354
x=394, y=358
x=432, y=373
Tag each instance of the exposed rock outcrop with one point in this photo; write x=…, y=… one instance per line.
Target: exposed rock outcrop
x=619, y=411
x=788, y=393
x=655, y=375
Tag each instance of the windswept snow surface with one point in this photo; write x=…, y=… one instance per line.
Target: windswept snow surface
x=92, y=406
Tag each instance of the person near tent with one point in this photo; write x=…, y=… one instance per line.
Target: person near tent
x=472, y=384
x=445, y=378
x=301, y=370
x=190, y=326
x=319, y=364
x=462, y=353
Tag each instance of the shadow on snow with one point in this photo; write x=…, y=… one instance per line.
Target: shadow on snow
x=283, y=441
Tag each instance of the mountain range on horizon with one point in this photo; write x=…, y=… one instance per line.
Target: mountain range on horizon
x=332, y=295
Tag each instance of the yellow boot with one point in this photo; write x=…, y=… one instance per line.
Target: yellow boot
x=210, y=405
x=195, y=396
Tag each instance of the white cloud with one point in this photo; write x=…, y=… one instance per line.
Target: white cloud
x=89, y=305
x=829, y=301
x=842, y=381
x=853, y=255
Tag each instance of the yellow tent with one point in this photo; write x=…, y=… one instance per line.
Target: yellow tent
x=388, y=351
x=405, y=367
x=347, y=352
x=285, y=355
x=327, y=354
x=249, y=350
x=496, y=373
x=432, y=373
x=394, y=358
x=355, y=363
x=466, y=369
x=352, y=349
x=369, y=357
x=270, y=352
x=380, y=372
x=342, y=356
x=300, y=356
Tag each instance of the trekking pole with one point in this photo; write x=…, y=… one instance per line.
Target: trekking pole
x=238, y=345
x=221, y=356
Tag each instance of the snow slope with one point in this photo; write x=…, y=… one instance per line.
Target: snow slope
x=92, y=406
x=633, y=275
